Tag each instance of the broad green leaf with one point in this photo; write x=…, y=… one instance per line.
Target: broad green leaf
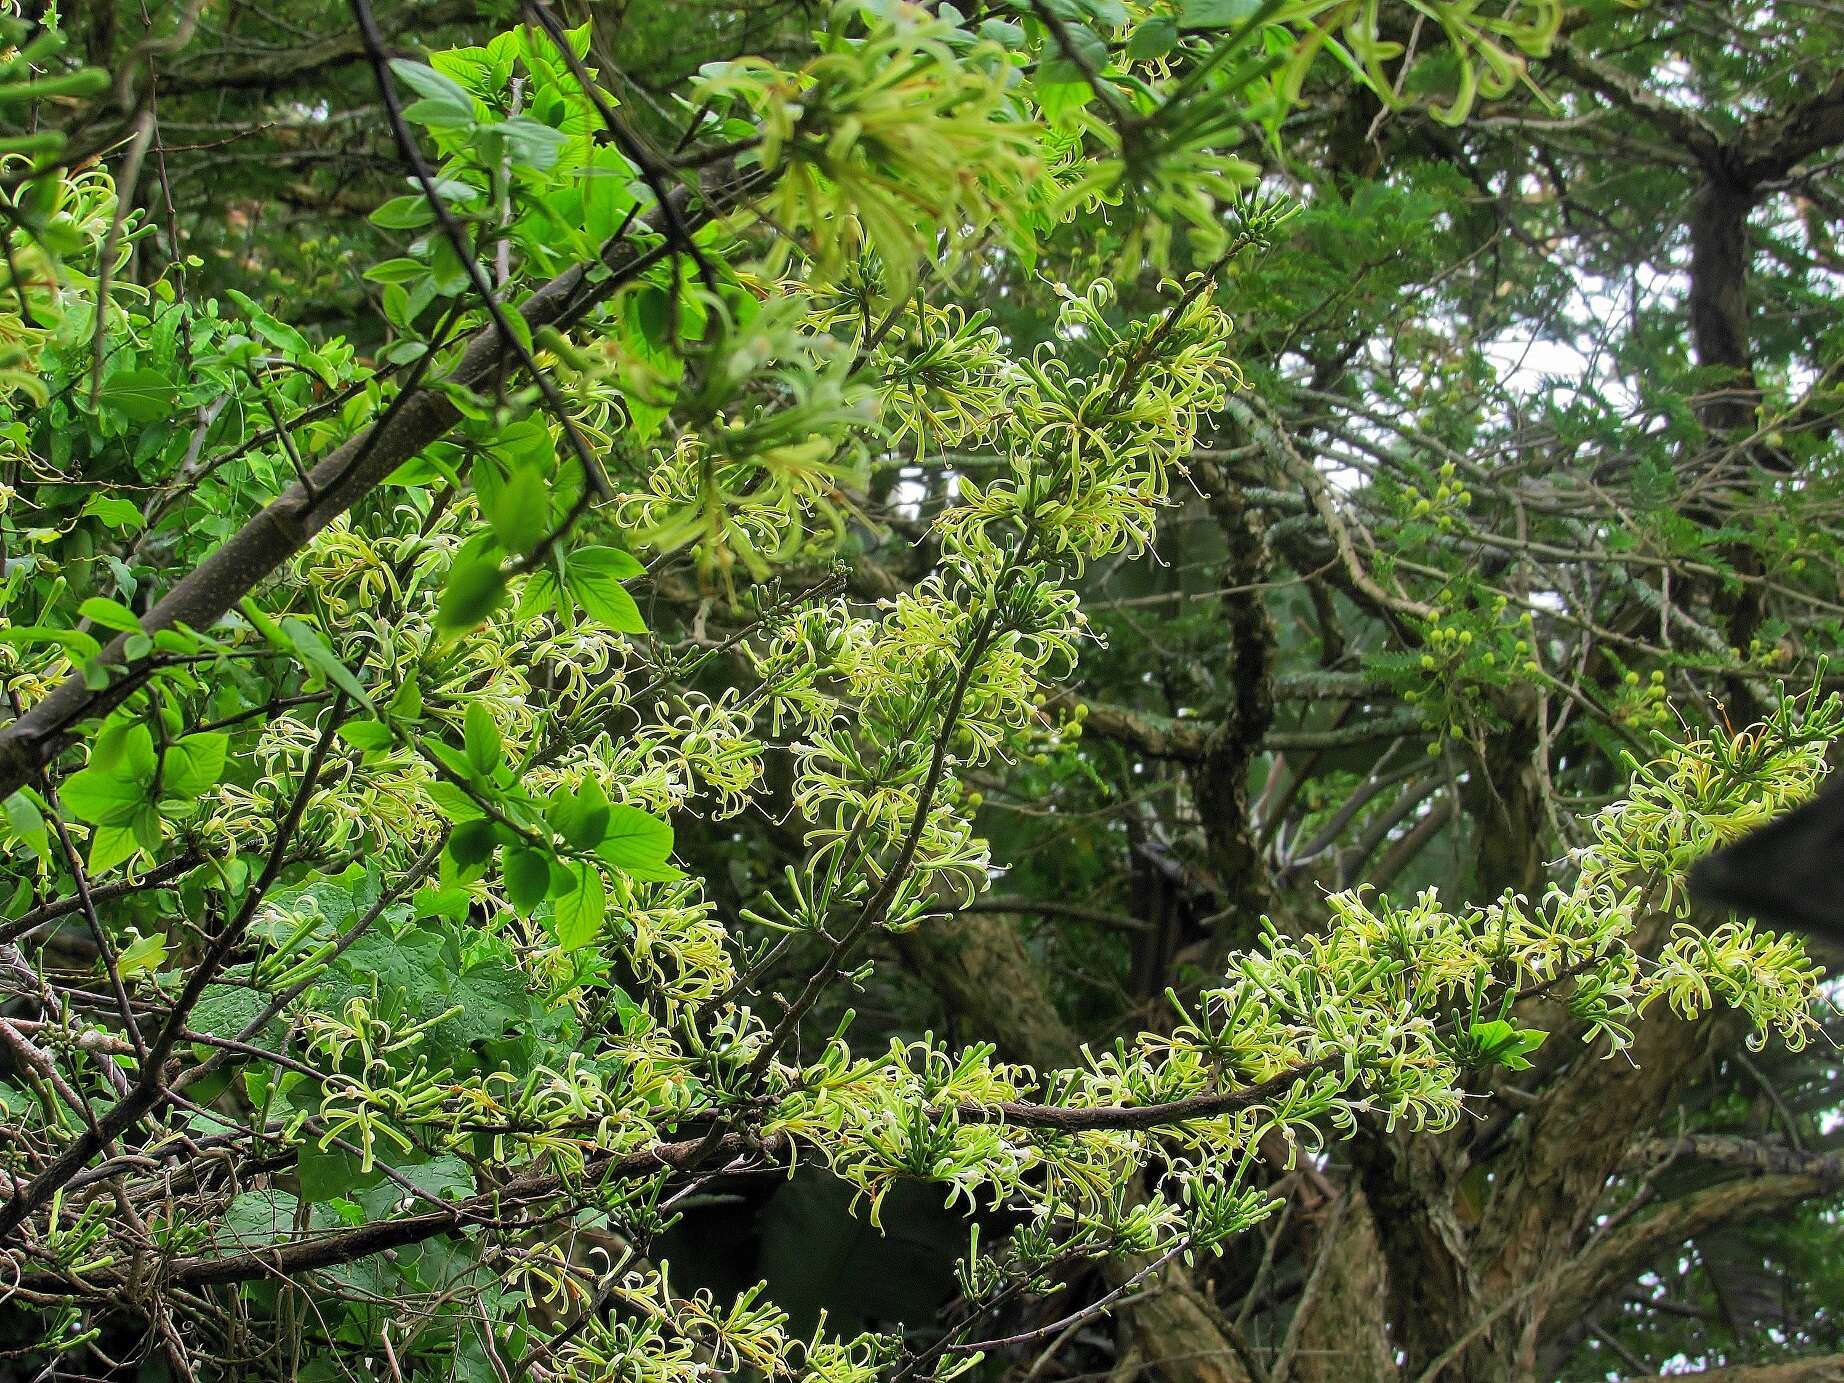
x=1152, y=38
x=473, y=842
x=398, y=270
x=439, y=115
x=411, y=212
x=368, y=735
x=103, y=797
x=538, y=596
x=143, y=396
x=442, y=1178
x=1215, y=14
x=193, y=765
x=475, y=589
x=27, y=822
x=271, y=328
x=326, y=1177
x=113, y=512
x=256, y=1219
x=110, y=845
x=607, y=194
x=527, y=875
x=110, y=614
x=143, y=954
x=594, y=576
x=445, y=104
x=407, y=702
x=578, y=914
x=580, y=817
x=485, y=749
x=1086, y=44
x=452, y=802
x=518, y=510
x=125, y=748
x=431, y=85
x=75, y=642
x=531, y=142
x=225, y=1010
x=635, y=840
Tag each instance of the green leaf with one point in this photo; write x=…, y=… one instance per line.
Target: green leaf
x=1215, y=14
x=442, y=1178
x=110, y=845
x=594, y=576
x=143, y=954
x=455, y=760
x=79, y=645
x=473, y=842
x=634, y=840
x=581, y=817
x=1086, y=44
x=607, y=194
x=531, y=142
x=439, y=115
x=268, y=628
x=404, y=213
x=1059, y=100
x=1110, y=14
x=407, y=703
x=518, y=510
x=485, y=749
x=445, y=103
x=194, y=765
x=272, y=328
x=431, y=85
x=125, y=748
x=452, y=801
x=527, y=875
x=27, y=823
x=225, y=1010
x=113, y=512
x=1499, y=1042
x=143, y=396
x=449, y=271
x=1152, y=38
x=368, y=735
x=314, y=652
x=475, y=589
x=398, y=270
x=539, y=594
x=104, y=797
x=110, y=614
x=579, y=912
x=332, y=1174
x=256, y=1219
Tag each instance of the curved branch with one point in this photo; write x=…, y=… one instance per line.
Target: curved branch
x=1626, y=1250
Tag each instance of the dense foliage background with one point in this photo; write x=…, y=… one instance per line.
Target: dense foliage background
x=456, y=812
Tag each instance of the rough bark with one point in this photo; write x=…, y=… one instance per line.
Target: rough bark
x=979, y=967
x=1548, y=1186
x=1345, y=1338
x=1221, y=778
x=1504, y=800
x=1171, y=1334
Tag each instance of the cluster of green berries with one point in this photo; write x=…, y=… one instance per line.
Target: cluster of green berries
x=1448, y=494
x=1642, y=702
